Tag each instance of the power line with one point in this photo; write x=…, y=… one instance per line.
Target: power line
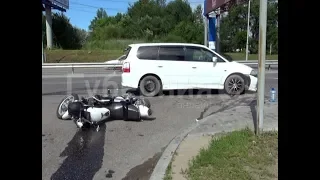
x=95, y=7
x=82, y=10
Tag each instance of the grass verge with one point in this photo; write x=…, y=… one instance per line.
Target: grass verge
x=168, y=175
x=242, y=56
x=238, y=155
x=78, y=56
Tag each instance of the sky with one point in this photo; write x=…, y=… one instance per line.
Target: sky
x=81, y=12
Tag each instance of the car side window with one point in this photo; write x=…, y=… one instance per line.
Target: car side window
x=148, y=52
x=171, y=53
x=196, y=54
x=210, y=55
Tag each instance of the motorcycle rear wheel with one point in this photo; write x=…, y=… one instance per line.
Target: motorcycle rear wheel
x=63, y=105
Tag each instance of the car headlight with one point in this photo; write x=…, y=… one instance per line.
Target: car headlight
x=254, y=73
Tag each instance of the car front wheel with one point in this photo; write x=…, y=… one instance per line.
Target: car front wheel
x=234, y=85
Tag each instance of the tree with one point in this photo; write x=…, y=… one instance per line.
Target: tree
x=177, y=11
x=64, y=34
x=233, y=28
x=272, y=25
x=198, y=17
x=159, y=21
x=101, y=14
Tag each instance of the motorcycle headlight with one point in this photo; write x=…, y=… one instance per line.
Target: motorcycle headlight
x=254, y=73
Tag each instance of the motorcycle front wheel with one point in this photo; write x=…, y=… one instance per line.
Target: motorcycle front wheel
x=147, y=102
x=143, y=101
x=63, y=105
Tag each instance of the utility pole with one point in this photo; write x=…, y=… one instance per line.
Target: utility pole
x=261, y=62
x=218, y=31
x=42, y=51
x=248, y=30
x=48, y=26
x=205, y=22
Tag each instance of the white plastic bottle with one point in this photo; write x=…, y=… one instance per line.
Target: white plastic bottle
x=273, y=95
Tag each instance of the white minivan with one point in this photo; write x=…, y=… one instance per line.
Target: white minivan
x=153, y=67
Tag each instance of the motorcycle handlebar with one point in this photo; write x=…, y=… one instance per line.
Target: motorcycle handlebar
x=101, y=100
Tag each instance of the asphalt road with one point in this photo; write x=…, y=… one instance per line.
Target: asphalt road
x=129, y=149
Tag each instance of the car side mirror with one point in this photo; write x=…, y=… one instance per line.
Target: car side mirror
x=214, y=60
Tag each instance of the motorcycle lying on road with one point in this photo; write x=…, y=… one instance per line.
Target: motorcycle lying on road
x=93, y=111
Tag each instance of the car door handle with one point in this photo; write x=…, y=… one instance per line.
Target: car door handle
x=160, y=66
x=194, y=67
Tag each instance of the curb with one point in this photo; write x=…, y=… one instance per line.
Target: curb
x=166, y=157
x=225, y=131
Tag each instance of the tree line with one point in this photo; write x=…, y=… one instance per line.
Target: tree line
x=161, y=21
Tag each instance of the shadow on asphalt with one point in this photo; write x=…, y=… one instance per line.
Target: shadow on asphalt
x=180, y=92
x=187, y=92
x=84, y=155
x=253, y=105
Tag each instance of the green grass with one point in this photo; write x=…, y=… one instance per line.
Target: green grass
x=239, y=155
x=93, y=51
x=168, y=175
x=75, y=56
x=101, y=51
x=113, y=44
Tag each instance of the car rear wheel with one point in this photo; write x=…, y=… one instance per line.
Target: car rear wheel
x=150, y=86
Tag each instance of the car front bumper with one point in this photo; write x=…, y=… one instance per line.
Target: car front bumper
x=251, y=83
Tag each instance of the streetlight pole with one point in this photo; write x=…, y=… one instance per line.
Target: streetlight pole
x=205, y=23
x=42, y=51
x=261, y=62
x=248, y=30
x=218, y=18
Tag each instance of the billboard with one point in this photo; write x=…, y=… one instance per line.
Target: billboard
x=211, y=5
x=61, y=3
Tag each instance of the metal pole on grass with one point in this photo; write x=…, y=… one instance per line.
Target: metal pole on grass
x=261, y=63
x=248, y=29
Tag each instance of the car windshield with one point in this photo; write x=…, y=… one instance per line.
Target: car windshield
x=226, y=56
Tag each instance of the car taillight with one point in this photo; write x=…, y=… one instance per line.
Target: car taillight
x=126, y=67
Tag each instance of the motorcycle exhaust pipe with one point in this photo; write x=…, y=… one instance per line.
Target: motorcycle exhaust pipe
x=79, y=124
x=81, y=121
